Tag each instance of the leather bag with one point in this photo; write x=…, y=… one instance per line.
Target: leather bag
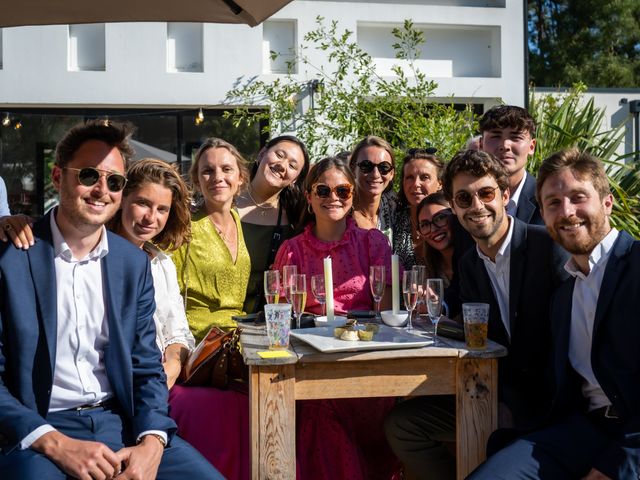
x=216, y=361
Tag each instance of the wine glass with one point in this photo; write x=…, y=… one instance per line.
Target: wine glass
x=298, y=295
x=422, y=277
x=287, y=272
x=271, y=286
x=377, y=282
x=435, y=301
x=318, y=290
x=410, y=290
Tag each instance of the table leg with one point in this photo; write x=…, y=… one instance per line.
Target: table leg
x=273, y=422
x=476, y=411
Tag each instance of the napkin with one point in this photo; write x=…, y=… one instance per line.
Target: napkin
x=274, y=354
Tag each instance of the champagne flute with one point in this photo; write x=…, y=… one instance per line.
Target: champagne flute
x=271, y=286
x=298, y=295
x=422, y=277
x=410, y=291
x=377, y=282
x=318, y=290
x=435, y=300
x=287, y=272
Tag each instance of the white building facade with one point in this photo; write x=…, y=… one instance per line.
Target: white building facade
x=158, y=75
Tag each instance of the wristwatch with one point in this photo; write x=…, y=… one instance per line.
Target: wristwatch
x=159, y=437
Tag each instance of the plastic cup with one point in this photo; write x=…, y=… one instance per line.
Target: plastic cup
x=278, y=320
x=476, y=325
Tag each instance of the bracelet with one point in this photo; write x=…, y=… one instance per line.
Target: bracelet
x=159, y=437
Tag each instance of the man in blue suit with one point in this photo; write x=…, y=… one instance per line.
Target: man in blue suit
x=82, y=389
x=508, y=133
x=594, y=428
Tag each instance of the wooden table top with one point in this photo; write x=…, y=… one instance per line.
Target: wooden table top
x=254, y=339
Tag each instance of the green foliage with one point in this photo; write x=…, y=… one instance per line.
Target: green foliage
x=591, y=41
x=568, y=120
x=350, y=100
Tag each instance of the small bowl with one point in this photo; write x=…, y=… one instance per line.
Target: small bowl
x=336, y=322
x=395, y=319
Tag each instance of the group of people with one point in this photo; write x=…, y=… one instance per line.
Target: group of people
x=94, y=331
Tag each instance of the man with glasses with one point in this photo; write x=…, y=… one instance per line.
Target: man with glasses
x=515, y=268
x=508, y=133
x=593, y=431
x=82, y=389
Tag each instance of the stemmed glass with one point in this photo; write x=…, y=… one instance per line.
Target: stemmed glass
x=271, y=286
x=435, y=301
x=377, y=282
x=318, y=290
x=287, y=272
x=422, y=277
x=410, y=289
x=298, y=295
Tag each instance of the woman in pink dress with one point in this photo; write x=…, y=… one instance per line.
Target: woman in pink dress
x=339, y=438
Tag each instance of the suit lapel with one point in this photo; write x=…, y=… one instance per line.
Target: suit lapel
x=41, y=262
x=517, y=257
x=613, y=271
x=525, y=206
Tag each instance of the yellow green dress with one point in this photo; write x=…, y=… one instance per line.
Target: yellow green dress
x=216, y=285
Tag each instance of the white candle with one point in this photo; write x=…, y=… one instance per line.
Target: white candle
x=328, y=287
x=395, y=283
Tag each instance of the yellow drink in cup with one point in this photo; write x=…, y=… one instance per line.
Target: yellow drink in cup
x=476, y=325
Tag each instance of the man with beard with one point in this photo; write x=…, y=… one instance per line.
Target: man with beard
x=594, y=428
x=508, y=133
x=82, y=389
x=515, y=268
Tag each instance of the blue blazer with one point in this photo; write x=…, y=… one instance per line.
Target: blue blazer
x=615, y=353
x=528, y=209
x=28, y=326
x=536, y=270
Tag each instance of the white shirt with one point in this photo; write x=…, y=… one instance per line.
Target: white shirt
x=583, y=310
x=499, y=274
x=169, y=317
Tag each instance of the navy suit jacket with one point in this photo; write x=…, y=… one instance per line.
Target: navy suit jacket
x=615, y=353
x=528, y=209
x=536, y=270
x=28, y=326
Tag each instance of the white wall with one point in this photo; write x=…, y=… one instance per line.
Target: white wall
x=483, y=45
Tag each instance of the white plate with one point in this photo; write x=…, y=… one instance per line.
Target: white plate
x=387, y=338
x=337, y=321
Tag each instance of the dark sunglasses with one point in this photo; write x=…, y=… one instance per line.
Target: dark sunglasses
x=422, y=151
x=465, y=199
x=89, y=176
x=367, y=166
x=343, y=192
x=438, y=221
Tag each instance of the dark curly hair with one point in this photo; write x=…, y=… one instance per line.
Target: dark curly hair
x=508, y=116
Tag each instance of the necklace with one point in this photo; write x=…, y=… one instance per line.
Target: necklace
x=221, y=232
x=264, y=206
x=371, y=218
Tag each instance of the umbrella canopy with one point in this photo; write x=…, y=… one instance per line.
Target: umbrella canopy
x=51, y=12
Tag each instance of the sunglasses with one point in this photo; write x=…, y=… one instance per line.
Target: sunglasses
x=89, y=176
x=438, y=221
x=465, y=199
x=343, y=192
x=367, y=166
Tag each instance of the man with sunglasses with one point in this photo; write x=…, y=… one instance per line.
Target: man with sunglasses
x=82, y=389
x=593, y=432
x=515, y=268
x=508, y=133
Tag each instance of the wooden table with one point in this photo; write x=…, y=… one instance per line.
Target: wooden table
x=275, y=385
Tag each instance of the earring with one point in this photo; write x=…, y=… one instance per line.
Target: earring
x=309, y=208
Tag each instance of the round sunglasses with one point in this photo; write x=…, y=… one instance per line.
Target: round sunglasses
x=89, y=176
x=464, y=199
x=367, y=166
x=438, y=221
x=343, y=192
